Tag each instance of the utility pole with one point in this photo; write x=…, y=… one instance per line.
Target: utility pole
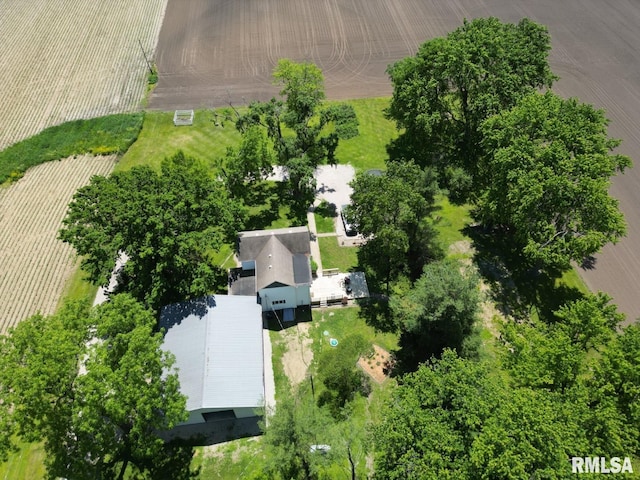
x=145, y=57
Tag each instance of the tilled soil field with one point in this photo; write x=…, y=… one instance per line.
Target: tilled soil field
x=34, y=264
x=65, y=60
x=212, y=52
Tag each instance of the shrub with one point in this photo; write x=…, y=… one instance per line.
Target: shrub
x=340, y=375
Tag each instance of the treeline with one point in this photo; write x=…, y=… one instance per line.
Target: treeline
x=477, y=124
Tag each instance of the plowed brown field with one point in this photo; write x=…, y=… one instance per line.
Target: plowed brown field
x=34, y=264
x=211, y=52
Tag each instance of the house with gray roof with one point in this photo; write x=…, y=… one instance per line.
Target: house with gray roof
x=218, y=345
x=275, y=268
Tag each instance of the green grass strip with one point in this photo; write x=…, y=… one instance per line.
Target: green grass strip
x=97, y=136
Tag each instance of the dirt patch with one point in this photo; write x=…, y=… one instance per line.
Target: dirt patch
x=298, y=356
x=461, y=247
x=378, y=364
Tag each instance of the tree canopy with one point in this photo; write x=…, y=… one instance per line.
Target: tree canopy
x=169, y=224
x=304, y=131
x=554, y=355
x=457, y=418
x=546, y=176
x=392, y=211
x=96, y=387
x=438, y=312
x=443, y=93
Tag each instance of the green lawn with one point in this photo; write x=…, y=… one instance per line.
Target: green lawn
x=336, y=256
x=78, y=287
x=343, y=321
x=368, y=150
x=572, y=279
x=26, y=464
x=232, y=460
x=449, y=220
x=324, y=224
x=160, y=138
x=325, y=215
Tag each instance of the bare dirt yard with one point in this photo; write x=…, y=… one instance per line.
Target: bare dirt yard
x=298, y=355
x=378, y=365
x=211, y=52
x=65, y=60
x=34, y=264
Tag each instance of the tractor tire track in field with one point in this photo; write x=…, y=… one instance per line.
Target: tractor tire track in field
x=34, y=264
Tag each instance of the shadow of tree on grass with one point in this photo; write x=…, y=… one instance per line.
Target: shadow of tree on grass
x=519, y=288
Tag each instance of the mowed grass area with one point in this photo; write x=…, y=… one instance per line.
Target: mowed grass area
x=369, y=149
x=343, y=321
x=27, y=463
x=325, y=215
x=160, y=138
x=449, y=221
x=204, y=140
x=242, y=458
x=324, y=224
x=336, y=256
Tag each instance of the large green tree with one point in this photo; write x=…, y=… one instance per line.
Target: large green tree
x=546, y=176
x=304, y=130
x=96, y=387
x=553, y=355
x=438, y=312
x=443, y=93
x=244, y=168
x=455, y=418
x=428, y=425
x=392, y=211
x=616, y=384
x=169, y=224
x=290, y=431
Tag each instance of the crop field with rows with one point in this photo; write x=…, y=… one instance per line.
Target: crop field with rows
x=34, y=264
x=65, y=60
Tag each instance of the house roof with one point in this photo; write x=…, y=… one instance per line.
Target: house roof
x=217, y=342
x=281, y=255
x=295, y=239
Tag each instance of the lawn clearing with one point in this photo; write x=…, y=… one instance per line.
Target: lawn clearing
x=325, y=216
x=369, y=149
x=160, y=139
x=231, y=460
x=66, y=60
x=336, y=256
x=449, y=221
x=207, y=141
x=324, y=224
x=35, y=264
x=342, y=321
x=27, y=463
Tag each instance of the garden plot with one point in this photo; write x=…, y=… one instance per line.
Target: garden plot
x=34, y=264
x=66, y=60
